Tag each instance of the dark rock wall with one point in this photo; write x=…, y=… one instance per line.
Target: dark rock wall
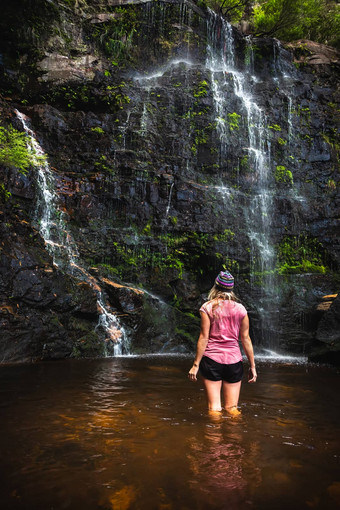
x=150, y=151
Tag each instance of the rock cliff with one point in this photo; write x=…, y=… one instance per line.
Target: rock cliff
x=176, y=146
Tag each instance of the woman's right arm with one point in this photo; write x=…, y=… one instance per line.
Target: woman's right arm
x=248, y=347
x=201, y=345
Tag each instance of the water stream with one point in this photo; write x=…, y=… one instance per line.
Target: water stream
x=221, y=62
x=52, y=224
x=132, y=433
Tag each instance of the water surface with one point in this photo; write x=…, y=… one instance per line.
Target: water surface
x=134, y=433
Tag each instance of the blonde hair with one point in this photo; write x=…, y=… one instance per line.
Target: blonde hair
x=217, y=293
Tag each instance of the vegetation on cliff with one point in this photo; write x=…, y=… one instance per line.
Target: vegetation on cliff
x=289, y=20
x=14, y=151
x=168, y=164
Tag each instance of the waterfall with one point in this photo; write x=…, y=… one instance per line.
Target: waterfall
x=169, y=202
x=52, y=224
x=221, y=62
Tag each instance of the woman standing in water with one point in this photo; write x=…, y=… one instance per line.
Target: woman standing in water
x=218, y=356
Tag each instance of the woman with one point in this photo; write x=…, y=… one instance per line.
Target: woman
x=218, y=356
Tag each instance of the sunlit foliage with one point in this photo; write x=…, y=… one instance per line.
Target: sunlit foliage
x=317, y=20
x=14, y=151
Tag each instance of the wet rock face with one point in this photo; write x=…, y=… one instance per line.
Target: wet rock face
x=328, y=333
x=329, y=327
x=44, y=314
x=172, y=159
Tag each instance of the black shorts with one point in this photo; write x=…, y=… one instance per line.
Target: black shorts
x=215, y=371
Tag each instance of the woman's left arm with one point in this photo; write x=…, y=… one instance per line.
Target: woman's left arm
x=201, y=345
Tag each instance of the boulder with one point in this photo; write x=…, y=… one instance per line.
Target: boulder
x=328, y=332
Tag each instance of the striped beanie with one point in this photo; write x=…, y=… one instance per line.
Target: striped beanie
x=225, y=280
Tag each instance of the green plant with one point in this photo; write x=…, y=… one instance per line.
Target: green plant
x=4, y=193
x=147, y=229
x=300, y=254
x=102, y=165
x=201, y=135
x=331, y=185
x=115, y=37
x=202, y=89
x=98, y=130
x=290, y=20
x=283, y=175
x=275, y=127
x=231, y=265
x=177, y=302
x=233, y=121
x=225, y=237
x=14, y=151
x=173, y=220
x=244, y=163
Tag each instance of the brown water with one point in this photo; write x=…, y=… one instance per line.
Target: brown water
x=133, y=433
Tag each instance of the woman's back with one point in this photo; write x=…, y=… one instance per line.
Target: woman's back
x=225, y=321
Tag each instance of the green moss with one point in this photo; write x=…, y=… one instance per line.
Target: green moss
x=300, y=254
x=202, y=89
x=103, y=165
x=282, y=175
x=233, y=121
x=225, y=237
x=142, y=258
x=4, y=194
x=85, y=97
x=244, y=164
x=275, y=127
x=14, y=151
x=98, y=130
x=331, y=185
x=332, y=139
x=173, y=220
x=115, y=37
x=186, y=335
x=202, y=136
x=169, y=252
x=147, y=229
x=281, y=141
x=231, y=265
x=303, y=111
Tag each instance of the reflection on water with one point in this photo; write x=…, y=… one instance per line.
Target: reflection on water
x=134, y=433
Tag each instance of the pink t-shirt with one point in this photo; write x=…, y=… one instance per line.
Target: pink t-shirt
x=225, y=322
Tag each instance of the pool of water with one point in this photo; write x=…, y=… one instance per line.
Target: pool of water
x=134, y=433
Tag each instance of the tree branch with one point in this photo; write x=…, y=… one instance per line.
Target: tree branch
x=227, y=10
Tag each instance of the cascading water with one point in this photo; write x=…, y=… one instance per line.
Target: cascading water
x=169, y=202
x=52, y=224
x=235, y=110
x=257, y=212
